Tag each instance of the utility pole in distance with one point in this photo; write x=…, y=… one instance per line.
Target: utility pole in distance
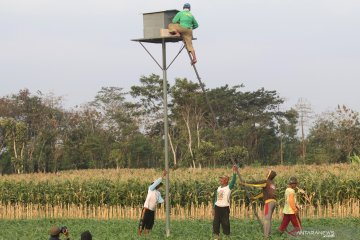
x=304, y=109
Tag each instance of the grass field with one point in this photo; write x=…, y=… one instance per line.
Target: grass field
x=344, y=229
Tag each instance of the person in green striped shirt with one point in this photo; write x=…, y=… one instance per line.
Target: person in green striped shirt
x=183, y=23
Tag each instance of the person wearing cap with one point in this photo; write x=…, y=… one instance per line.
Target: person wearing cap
x=148, y=212
x=183, y=23
x=269, y=195
x=55, y=233
x=221, y=204
x=86, y=235
x=291, y=210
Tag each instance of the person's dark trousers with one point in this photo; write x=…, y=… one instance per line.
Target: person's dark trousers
x=221, y=217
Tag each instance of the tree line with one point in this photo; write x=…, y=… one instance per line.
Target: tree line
x=119, y=129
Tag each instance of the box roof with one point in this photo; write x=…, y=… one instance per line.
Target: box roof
x=173, y=10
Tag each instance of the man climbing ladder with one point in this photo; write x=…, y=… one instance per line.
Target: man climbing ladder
x=183, y=23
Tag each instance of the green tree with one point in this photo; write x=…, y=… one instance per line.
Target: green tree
x=230, y=155
x=249, y=119
x=121, y=121
x=41, y=115
x=14, y=138
x=334, y=137
x=149, y=97
x=286, y=132
x=188, y=112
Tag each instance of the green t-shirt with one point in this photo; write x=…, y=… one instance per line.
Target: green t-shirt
x=185, y=19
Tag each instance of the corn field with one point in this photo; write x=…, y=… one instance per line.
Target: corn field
x=329, y=191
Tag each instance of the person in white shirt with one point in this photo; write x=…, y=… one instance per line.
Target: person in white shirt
x=221, y=206
x=148, y=212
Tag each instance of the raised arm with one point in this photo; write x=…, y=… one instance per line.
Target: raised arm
x=157, y=182
x=257, y=184
x=233, y=179
x=215, y=198
x=261, y=195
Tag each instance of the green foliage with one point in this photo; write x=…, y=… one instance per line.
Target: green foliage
x=335, y=135
x=205, y=153
x=238, y=155
x=14, y=135
x=149, y=93
x=38, y=135
x=354, y=159
x=188, y=187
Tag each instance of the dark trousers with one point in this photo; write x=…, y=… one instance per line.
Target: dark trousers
x=221, y=217
x=147, y=219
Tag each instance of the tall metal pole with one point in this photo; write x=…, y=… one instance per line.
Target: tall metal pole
x=166, y=127
x=166, y=134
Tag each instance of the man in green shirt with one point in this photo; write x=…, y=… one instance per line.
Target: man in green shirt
x=183, y=23
x=221, y=204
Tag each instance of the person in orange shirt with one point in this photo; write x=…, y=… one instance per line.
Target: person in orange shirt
x=291, y=210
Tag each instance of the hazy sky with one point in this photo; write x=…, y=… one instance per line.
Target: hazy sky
x=300, y=48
